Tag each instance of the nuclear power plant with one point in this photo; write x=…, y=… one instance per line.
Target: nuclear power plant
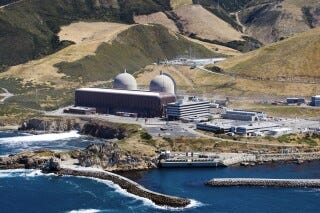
x=125, y=97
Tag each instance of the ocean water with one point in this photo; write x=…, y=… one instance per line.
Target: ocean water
x=14, y=142
x=31, y=191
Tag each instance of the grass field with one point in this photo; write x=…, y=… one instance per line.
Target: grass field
x=178, y=3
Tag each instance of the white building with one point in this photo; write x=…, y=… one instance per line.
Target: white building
x=255, y=128
x=188, y=109
x=244, y=115
x=238, y=127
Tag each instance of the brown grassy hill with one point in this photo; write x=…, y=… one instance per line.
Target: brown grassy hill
x=293, y=59
x=275, y=20
x=205, y=24
x=156, y=18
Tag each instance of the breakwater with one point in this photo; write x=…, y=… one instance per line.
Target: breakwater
x=221, y=182
x=129, y=185
x=288, y=157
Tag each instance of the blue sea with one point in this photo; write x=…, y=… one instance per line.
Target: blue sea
x=31, y=191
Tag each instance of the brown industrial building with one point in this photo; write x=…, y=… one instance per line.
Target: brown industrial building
x=113, y=101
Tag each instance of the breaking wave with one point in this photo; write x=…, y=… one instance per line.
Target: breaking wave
x=12, y=173
x=42, y=137
x=85, y=211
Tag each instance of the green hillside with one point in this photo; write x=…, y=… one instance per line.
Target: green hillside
x=133, y=49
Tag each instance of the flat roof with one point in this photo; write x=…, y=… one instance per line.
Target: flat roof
x=186, y=103
x=245, y=111
x=244, y=124
x=126, y=92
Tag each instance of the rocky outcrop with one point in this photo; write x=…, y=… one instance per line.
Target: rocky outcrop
x=95, y=128
x=219, y=182
x=26, y=160
x=51, y=166
x=128, y=185
x=104, y=130
x=48, y=124
x=110, y=157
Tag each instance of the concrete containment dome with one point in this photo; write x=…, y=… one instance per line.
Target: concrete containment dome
x=163, y=83
x=125, y=81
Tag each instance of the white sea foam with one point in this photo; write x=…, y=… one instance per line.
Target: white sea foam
x=85, y=211
x=10, y=173
x=42, y=137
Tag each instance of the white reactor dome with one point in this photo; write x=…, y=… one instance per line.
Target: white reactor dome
x=125, y=81
x=162, y=83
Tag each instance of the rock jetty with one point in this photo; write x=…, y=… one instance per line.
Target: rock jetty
x=221, y=182
x=125, y=183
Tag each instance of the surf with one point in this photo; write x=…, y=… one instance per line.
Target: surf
x=39, y=138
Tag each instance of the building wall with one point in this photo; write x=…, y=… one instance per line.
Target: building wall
x=315, y=101
x=177, y=111
x=110, y=103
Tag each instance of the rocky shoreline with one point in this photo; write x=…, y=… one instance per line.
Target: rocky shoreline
x=288, y=183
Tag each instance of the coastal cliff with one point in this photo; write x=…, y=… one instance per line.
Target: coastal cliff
x=95, y=128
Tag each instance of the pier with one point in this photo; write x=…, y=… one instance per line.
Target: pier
x=289, y=183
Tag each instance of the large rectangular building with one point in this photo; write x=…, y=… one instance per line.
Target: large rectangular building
x=188, y=109
x=113, y=101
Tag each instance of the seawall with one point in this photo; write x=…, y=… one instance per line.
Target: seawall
x=221, y=182
x=129, y=185
x=288, y=157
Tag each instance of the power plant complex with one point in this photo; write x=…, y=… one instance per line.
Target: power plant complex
x=125, y=97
